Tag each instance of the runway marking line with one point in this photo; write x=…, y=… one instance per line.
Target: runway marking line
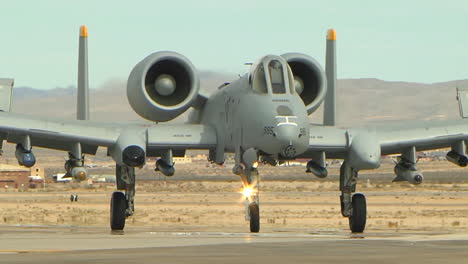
x=31, y=251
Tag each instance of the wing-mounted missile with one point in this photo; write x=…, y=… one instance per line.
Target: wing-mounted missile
x=24, y=153
x=74, y=169
x=407, y=172
x=74, y=166
x=165, y=168
x=162, y=86
x=318, y=165
x=309, y=79
x=166, y=164
x=405, y=169
x=316, y=169
x=25, y=157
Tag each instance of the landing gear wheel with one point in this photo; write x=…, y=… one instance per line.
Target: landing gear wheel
x=254, y=212
x=357, y=219
x=118, y=207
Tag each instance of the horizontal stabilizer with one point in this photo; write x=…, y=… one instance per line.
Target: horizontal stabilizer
x=6, y=94
x=462, y=97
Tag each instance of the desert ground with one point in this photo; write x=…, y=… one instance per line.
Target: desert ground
x=290, y=200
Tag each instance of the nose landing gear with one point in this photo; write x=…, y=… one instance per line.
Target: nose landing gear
x=254, y=215
x=250, y=179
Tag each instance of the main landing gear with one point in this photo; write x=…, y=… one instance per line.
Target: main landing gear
x=353, y=206
x=122, y=203
x=118, y=207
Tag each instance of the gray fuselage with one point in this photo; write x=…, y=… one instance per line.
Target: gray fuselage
x=261, y=110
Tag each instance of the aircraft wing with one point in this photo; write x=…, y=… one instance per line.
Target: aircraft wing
x=179, y=138
x=424, y=135
x=61, y=134
x=393, y=137
x=331, y=140
x=57, y=134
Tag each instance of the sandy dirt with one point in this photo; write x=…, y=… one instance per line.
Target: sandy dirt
x=296, y=204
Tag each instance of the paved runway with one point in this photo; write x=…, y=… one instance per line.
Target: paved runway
x=145, y=245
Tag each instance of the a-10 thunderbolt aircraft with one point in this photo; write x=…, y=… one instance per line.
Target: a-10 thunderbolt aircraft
x=260, y=117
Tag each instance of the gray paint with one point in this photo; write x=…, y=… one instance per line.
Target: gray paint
x=239, y=118
x=315, y=70
x=259, y=115
x=130, y=136
x=462, y=97
x=6, y=94
x=329, y=110
x=82, y=103
x=142, y=93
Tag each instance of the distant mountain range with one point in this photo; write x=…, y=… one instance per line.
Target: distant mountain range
x=359, y=101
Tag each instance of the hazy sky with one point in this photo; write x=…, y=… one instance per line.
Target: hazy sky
x=397, y=40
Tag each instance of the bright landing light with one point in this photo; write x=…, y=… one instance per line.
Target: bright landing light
x=248, y=191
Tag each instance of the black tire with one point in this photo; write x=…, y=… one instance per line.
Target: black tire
x=76, y=197
x=118, y=207
x=357, y=219
x=254, y=212
x=72, y=198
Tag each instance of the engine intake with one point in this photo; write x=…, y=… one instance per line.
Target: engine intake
x=162, y=86
x=309, y=79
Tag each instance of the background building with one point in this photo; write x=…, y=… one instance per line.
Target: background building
x=12, y=176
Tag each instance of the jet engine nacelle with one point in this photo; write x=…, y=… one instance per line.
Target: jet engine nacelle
x=407, y=172
x=162, y=86
x=309, y=79
x=25, y=157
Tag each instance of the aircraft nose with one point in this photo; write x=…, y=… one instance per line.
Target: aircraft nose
x=288, y=136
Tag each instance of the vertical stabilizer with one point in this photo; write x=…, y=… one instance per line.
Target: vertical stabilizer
x=6, y=94
x=462, y=97
x=329, y=111
x=82, y=104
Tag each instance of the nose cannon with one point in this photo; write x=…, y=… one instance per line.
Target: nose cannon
x=291, y=141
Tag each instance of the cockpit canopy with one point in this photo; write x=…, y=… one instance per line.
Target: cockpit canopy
x=272, y=75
